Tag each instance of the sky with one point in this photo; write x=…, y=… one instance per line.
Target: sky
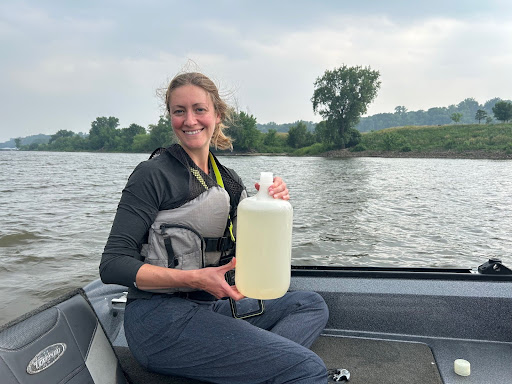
x=65, y=63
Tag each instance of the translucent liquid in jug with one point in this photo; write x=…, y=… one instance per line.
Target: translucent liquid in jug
x=263, y=245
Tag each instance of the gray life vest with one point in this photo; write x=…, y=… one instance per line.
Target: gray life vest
x=192, y=236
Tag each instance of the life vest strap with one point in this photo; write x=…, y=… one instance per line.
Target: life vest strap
x=218, y=244
x=172, y=261
x=218, y=177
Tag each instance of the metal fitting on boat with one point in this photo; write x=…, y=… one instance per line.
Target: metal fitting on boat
x=341, y=374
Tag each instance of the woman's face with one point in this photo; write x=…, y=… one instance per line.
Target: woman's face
x=193, y=117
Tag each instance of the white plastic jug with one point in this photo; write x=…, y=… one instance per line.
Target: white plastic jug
x=263, y=244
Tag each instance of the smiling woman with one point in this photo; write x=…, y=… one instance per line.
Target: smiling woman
x=172, y=243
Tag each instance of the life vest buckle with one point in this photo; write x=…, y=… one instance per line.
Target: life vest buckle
x=218, y=244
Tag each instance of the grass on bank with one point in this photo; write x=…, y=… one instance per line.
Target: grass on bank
x=457, y=138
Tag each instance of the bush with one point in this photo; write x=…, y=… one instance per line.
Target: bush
x=394, y=141
x=312, y=150
x=358, y=148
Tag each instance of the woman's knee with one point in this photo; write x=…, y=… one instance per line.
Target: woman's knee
x=311, y=370
x=314, y=301
x=317, y=367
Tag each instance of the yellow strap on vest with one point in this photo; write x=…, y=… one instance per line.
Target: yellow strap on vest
x=221, y=183
x=216, y=171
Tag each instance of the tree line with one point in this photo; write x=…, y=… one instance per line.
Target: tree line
x=466, y=112
x=341, y=96
x=355, y=88
x=105, y=135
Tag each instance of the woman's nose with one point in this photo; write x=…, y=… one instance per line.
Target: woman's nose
x=190, y=119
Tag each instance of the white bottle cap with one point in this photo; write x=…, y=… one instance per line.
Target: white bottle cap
x=266, y=178
x=462, y=367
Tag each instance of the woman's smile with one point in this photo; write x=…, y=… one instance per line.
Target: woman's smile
x=192, y=132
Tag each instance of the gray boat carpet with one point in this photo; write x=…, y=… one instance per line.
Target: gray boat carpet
x=371, y=361
x=368, y=361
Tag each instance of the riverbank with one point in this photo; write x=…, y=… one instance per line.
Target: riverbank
x=346, y=153
x=471, y=141
x=477, y=154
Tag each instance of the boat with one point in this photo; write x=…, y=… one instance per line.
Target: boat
x=386, y=325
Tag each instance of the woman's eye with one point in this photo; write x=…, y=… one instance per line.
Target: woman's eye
x=177, y=112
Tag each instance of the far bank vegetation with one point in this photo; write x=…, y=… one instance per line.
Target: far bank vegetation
x=341, y=96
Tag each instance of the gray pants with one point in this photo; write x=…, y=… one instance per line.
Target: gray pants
x=201, y=340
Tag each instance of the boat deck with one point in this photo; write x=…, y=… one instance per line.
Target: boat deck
x=370, y=361
x=384, y=361
x=392, y=327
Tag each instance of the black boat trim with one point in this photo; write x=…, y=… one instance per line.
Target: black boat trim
x=396, y=273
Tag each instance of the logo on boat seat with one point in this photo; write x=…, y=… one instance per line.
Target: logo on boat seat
x=46, y=358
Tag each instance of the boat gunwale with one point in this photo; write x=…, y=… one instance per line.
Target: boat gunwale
x=397, y=273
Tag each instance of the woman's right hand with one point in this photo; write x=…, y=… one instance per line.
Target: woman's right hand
x=212, y=280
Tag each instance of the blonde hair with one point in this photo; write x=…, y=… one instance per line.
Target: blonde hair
x=219, y=139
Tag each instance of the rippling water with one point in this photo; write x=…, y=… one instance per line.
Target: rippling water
x=57, y=209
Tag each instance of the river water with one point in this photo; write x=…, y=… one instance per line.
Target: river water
x=57, y=208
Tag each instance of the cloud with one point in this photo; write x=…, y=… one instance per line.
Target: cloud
x=68, y=64
x=416, y=61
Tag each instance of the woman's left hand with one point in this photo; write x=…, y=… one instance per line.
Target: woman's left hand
x=278, y=190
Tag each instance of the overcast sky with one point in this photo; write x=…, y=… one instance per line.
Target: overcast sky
x=64, y=63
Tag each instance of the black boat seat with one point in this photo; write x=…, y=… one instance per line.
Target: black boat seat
x=60, y=342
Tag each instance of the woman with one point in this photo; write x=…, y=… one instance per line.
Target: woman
x=171, y=243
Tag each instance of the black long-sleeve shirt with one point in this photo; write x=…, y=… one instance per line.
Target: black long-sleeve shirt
x=162, y=183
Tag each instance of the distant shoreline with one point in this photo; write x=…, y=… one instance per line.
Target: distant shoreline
x=346, y=153
x=477, y=155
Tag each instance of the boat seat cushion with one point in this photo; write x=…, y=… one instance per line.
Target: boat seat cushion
x=60, y=342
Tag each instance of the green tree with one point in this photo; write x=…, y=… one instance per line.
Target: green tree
x=352, y=137
x=502, y=111
x=60, y=134
x=103, y=132
x=17, y=142
x=128, y=134
x=67, y=142
x=342, y=95
x=456, y=116
x=161, y=134
x=324, y=134
x=274, y=141
x=480, y=115
x=400, y=110
x=246, y=136
x=489, y=104
x=142, y=143
x=270, y=138
x=298, y=136
x=468, y=107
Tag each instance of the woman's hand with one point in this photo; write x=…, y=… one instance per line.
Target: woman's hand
x=278, y=190
x=212, y=280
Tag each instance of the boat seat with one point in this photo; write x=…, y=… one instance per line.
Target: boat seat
x=60, y=342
